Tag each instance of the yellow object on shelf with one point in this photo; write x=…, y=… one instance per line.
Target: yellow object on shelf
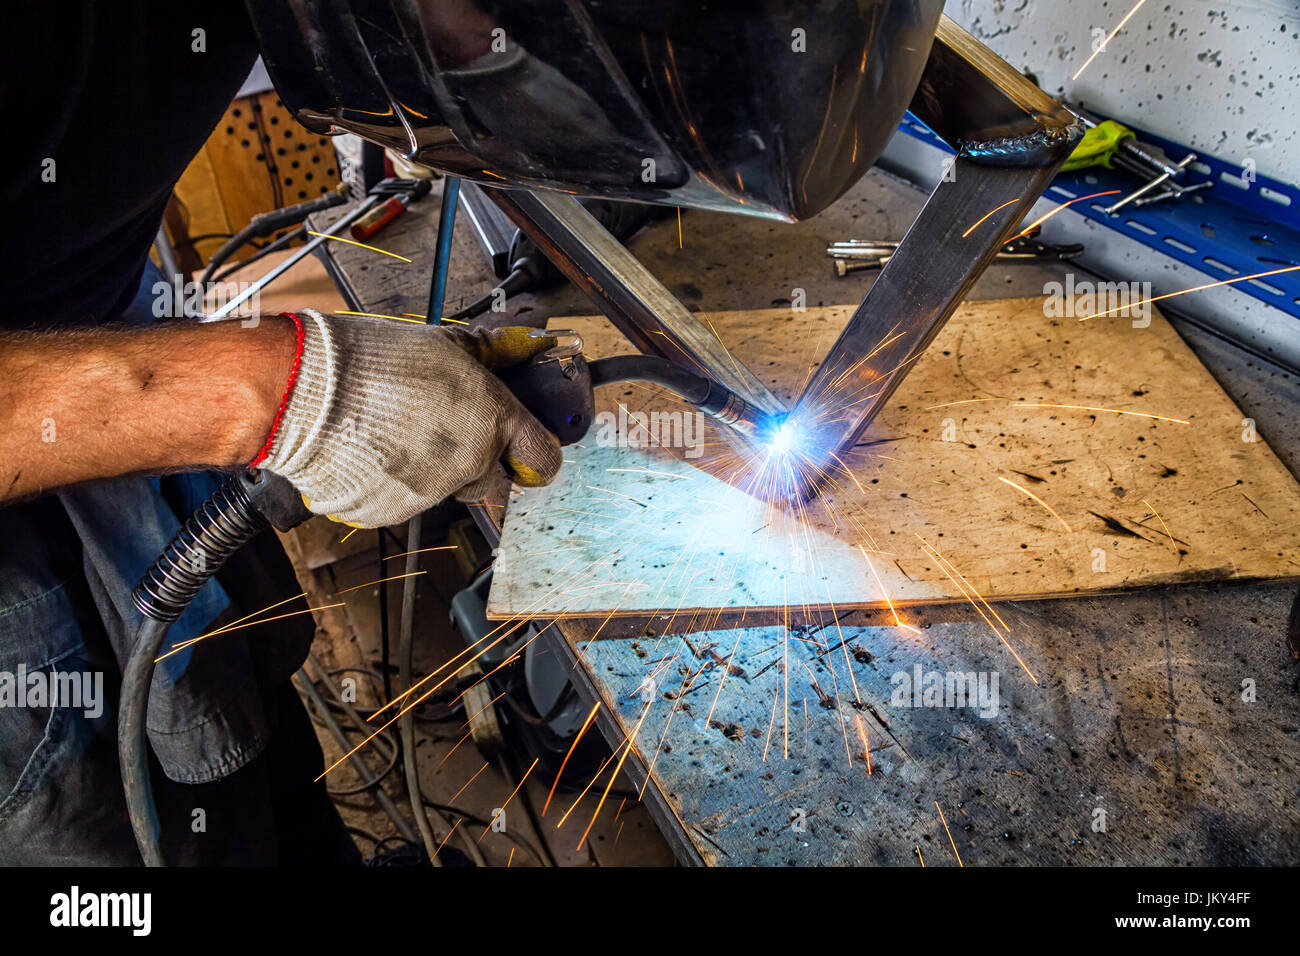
x=1098, y=146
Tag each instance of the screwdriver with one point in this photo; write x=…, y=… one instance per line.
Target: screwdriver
x=376, y=219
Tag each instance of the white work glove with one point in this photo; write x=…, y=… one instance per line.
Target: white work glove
x=386, y=419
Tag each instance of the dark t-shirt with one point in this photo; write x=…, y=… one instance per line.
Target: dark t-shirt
x=118, y=97
x=114, y=92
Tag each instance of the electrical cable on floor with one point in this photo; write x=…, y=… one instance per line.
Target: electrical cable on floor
x=369, y=712
x=384, y=657
x=303, y=680
x=366, y=712
x=375, y=841
x=405, y=855
x=385, y=739
x=406, y=723
x=511, y=776
x=357, y=715
x=526, y=845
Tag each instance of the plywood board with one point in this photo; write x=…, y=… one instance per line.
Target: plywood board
x=1171, y=485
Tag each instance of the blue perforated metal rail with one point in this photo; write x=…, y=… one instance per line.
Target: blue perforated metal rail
x=1242, y=225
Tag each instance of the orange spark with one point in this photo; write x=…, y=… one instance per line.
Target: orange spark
x=467, y=783
x=986, y=215
x=776, y=699
x=585, y=724
x=440, y=762
x=949, y=832
x=445, y=839
x=944, y=566
x=511, y=797
x=240, y=620
x=351, y=242
x=177, y=648
x=1173, y=544
x=1025, y=491
x=441, y=547
x=1097, y=51
x=631, y=739
x=866, y=746
x=1046, y=216
x=395, y=577
x=417, y=315
x=1092, y=408
x=966, y=401
x=1199, y=288
x=897, y=620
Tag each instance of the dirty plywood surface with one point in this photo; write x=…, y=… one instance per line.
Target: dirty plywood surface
x=1162, y=490
x=1138, y=709
x=1136, y=744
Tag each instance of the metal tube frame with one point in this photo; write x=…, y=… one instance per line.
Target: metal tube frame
x=1011, y=137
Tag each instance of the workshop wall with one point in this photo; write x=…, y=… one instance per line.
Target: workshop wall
x=1219, y=77
x=258, y=158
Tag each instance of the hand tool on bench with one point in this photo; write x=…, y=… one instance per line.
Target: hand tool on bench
x=857, y=255
x=403, y=193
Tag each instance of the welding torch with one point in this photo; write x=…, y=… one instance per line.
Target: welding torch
x=556, y=386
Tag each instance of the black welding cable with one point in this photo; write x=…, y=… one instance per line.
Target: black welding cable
x=223, y=524
x=228, y=249
x=518, y=281
x=303, y=681
x=650, y=368
x=133, y=744
x=384, y=656
x=269, y=223
x=336, y=700
x=273, y=246
x=405, y=657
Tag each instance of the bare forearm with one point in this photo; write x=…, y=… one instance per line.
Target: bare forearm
x=86, y=404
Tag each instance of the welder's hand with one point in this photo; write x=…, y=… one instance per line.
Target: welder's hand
x=523, y=100
x=386, y=419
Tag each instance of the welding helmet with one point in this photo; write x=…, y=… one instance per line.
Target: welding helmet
x=753, y=106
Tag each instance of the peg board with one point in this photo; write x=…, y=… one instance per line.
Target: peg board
x=258, y=158
x=1142, y=501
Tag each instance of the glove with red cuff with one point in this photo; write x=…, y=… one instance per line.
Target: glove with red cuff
x=382, y=420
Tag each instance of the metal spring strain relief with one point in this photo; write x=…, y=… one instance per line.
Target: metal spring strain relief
x=219, y=528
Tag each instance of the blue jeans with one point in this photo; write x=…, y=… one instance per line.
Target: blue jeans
x=235, y=752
